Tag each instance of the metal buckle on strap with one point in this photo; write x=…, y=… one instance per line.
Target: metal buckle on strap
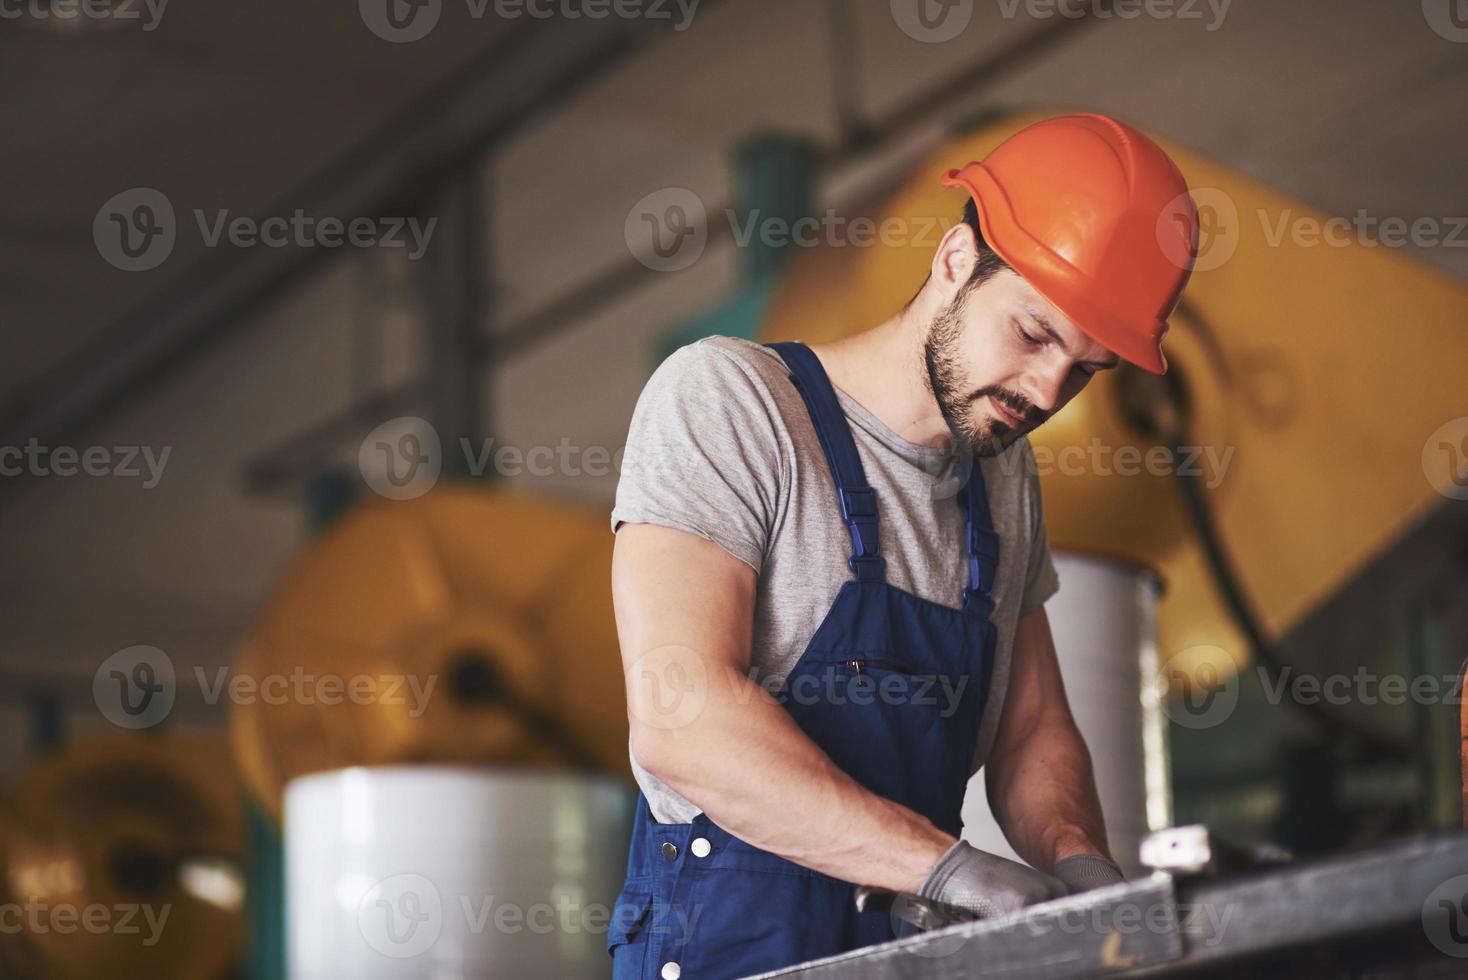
x=867, y=568
x=983, y=600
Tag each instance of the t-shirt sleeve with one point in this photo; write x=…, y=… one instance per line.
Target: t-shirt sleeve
x=702, y=454
x=1041, y=580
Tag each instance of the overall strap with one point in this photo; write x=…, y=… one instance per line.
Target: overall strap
x=981, y=540
x=858, y=500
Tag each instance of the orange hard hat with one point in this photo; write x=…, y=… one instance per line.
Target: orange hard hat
x=1098, y=219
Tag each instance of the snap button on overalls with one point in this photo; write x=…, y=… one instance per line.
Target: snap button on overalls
x=891, y=686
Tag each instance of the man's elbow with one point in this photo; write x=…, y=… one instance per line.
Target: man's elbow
x=660, y=751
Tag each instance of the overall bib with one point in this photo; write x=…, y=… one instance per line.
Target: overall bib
x=891, y=686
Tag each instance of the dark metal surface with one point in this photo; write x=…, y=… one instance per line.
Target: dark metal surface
x=1101, y=933
x=1396, y=911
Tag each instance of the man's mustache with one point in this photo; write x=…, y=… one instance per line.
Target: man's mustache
x=1014, y=403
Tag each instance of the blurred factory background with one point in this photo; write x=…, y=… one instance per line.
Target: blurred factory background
x=264, y=478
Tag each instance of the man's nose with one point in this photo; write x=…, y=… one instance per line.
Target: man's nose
x=1044, y=389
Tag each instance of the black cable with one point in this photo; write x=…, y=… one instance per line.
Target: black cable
x=1240, y=608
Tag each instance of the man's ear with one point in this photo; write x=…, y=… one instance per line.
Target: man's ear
x=954, y=261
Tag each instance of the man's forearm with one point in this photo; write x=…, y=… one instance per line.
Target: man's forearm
x=747, y=764
x=1043, y=794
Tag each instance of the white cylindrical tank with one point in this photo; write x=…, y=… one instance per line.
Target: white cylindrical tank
x=443, y=872
x=1104, y=623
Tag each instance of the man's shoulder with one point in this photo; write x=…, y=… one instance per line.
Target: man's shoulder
x=721, y=351
x=725, y=368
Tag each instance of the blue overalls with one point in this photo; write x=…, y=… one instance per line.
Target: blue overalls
x=701, y=904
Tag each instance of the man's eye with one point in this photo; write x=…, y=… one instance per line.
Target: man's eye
x=1032, y=341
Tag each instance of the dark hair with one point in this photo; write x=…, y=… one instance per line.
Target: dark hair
x=989, y=264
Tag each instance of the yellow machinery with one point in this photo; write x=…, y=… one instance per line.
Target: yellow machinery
x=468, y=625
x=1315, y=373
x=1312, y=377
x=121, y=857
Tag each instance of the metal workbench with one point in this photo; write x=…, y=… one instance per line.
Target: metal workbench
x=1393, y=912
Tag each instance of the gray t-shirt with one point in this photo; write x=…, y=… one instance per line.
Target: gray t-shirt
x=721, y=445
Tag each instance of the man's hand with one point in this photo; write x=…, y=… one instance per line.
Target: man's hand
x=1083, y=872
x=987, y=883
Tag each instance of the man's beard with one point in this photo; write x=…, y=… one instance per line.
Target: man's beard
x=948, y=383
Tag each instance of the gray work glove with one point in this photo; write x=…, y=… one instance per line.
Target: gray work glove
x=1082, y=872
x=987, y=883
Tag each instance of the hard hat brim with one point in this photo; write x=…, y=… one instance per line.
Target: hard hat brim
x=1063, y=285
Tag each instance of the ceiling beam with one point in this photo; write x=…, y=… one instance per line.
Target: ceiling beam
x=522, y=76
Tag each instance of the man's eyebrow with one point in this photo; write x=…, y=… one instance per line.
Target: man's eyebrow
x=1043, y=322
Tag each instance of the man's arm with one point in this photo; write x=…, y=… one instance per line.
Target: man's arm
x=684, y=610
x=1038, y=777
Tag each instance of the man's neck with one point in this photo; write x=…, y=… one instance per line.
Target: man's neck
x=883, y=370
